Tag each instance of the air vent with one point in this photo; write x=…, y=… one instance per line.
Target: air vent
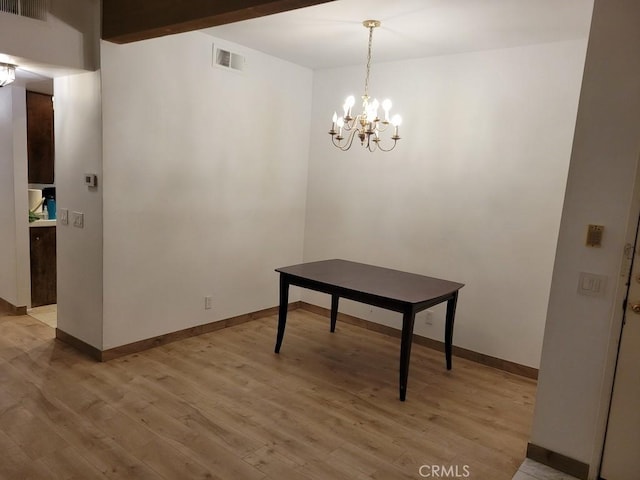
x=36, y=9
x=226, y=59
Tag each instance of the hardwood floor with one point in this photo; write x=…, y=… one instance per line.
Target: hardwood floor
x=224, y=406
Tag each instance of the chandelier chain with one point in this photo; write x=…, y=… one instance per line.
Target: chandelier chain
x=366, y=81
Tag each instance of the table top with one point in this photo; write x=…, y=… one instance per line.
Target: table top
x=372, y=280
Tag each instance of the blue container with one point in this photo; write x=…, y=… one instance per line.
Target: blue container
x=51, y=208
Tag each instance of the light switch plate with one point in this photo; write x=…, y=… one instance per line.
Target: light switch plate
x=64, y=216
x=592, y=285
x=90, y=179
x=78, y=219
x=594, y=235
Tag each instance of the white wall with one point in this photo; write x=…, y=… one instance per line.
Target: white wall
x=65, y=40
x=78, y=130
x=581, y=335
x=14, y=205
x=472, y=193
x=205, y=176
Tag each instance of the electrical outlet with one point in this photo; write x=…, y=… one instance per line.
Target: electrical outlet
x=207, y=303
x=78, y=219
x=425, y=317
x=64, y=216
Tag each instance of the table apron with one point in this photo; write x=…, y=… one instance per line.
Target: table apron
x=367, y=298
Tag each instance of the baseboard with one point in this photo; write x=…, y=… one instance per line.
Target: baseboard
x=146, y=344
x=11, y=309
x=79, y=345
x=558, y=461
x=500, y=364
x=136, y=347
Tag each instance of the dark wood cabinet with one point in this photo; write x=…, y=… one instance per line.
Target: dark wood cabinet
x=43, y=265
x=40, y=139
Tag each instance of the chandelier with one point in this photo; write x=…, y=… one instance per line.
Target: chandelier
x=7, y=74
x=367, y=126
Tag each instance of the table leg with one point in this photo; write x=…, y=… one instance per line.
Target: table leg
x=282, y=312
x=408, y=319
x=448, y=329
x=334, y=311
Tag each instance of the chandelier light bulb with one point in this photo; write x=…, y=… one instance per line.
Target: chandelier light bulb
x=386, y=106
x=374, y=108
x=350, y=101
x=396, y=121
x=348, y=104
x=366, y=126
x=368, y=112
x=334, y=120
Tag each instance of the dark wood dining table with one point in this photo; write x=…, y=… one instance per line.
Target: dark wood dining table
x=407, y=293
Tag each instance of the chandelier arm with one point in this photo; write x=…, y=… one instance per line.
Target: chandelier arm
x=388, y=149
x=352, y=134
x=350, y=125
x=347, y=145
x=336, y=144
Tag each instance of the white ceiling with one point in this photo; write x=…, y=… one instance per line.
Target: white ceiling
x=37, y=82
x=332, y=35
x=36, y=76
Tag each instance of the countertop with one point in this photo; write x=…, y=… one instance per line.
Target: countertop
x=43, y=223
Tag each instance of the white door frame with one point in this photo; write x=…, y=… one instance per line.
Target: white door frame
x=617, y=319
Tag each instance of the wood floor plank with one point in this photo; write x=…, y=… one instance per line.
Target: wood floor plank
x=68, y=464
x=32, y=435
x=16, y=464
x=275, y=465
x=224, y=406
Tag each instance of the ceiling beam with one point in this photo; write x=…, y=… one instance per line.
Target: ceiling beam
x=125, y=21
